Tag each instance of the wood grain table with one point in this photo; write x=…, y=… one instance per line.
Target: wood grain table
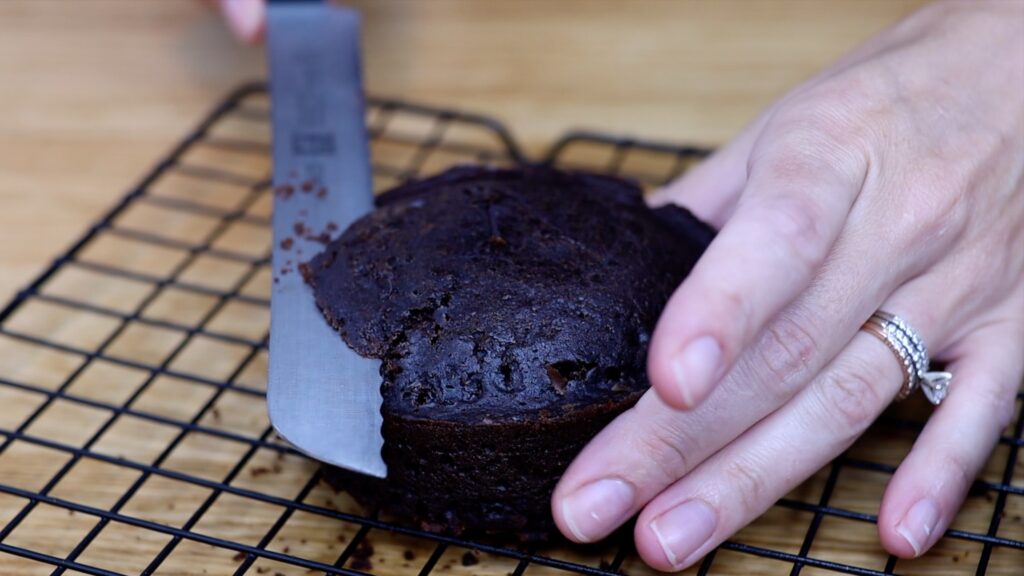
x=92, y=93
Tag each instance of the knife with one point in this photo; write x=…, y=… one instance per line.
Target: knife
x=322, y=397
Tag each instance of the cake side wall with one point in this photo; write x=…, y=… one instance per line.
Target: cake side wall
x=477, y=479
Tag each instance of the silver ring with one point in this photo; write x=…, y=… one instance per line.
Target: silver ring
x=910, y=350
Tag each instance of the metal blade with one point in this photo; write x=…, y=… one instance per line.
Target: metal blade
x=322, y=397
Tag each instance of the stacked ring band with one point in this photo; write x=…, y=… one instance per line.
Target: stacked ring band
x=910, y=350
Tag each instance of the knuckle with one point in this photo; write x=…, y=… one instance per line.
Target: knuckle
x=956, y=466
x=733, y=303
x=795, y=160
x=817, y=138
x=852, y=399
x=748, y=482
x=800, y=225
x=1003, y=412
x=936, y=209
x=666, y=449
x=786, y=350
x=998, y=401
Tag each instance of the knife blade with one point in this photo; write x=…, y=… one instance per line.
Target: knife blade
x=322, y=397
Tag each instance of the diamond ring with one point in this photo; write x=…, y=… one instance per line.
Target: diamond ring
x=910, y=350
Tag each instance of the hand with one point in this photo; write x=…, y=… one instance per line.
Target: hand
x=246, y=18
x=893, y=180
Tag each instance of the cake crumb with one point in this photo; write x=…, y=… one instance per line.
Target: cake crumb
x=362, y=564
x=558, y=380
x=361, y=556
x=259, y=471
x=363, y=550
x=470, y=559
x=238, y=557
x=408, y=555
x=286, y=244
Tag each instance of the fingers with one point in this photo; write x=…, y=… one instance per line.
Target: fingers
x=246, y=18
x=623, y=467
x=744, y=479
x=930, y=485
x=652, y=445
x=793, y=207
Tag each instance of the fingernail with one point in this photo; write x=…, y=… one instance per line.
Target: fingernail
x=245, y=16
x=919, y=523
x=594, y=510
x=683, y=530
x=695, y=367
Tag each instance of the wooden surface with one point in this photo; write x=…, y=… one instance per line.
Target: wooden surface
x=93, y=93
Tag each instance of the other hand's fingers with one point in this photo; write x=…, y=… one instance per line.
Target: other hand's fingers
x=744, y=479
x=795, y=203
x=245, y=18
x=932, y=482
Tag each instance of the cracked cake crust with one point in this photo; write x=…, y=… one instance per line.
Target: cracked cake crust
x=511, y=310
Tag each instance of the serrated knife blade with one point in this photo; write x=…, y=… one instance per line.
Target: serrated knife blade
x=322, y=397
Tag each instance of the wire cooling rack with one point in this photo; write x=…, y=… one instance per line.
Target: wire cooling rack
x=133, y=434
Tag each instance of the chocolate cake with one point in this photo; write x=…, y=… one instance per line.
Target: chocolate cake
x=511, y=310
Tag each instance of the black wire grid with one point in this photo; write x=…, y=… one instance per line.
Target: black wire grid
x=133, y=436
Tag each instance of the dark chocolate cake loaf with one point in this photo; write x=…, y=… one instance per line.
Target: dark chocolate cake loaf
x=511, y=310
